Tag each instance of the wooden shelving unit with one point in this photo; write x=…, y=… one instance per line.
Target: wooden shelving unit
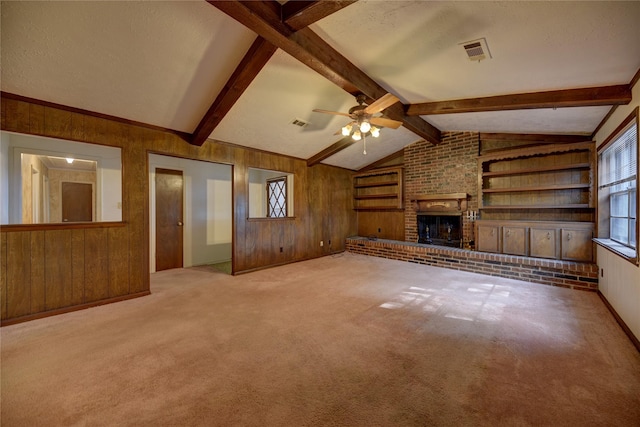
x=379, y=189
x=538, y=201
x=552, y=176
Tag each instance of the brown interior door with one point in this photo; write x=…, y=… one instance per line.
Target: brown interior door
x=77, y=202
x=169, y=191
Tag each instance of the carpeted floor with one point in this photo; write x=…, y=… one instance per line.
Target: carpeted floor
x=223, y=267
x=338, y=341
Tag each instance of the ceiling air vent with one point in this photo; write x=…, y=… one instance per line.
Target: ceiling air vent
x=299, y=122
x=477, y=50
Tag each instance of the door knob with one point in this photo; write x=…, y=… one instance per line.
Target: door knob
x=180, y=223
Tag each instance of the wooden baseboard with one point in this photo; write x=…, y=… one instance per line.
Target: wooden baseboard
x=251, y=270
x=625, y=328
x=8, y=322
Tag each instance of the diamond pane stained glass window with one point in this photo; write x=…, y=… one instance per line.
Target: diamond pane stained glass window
x=277, y=198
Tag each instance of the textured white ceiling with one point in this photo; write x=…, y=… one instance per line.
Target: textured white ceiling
x=414, y=47
x=160, y=63
x=164, y=63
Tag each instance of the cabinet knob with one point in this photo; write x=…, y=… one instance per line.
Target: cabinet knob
x=548, y=235
x=508, y=233
x=569, y=236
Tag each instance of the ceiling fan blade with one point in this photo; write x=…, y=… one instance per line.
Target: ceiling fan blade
x=381, y=103
x=386, y=123
x=331, y=112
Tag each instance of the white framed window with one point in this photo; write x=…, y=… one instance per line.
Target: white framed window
x=618, y=188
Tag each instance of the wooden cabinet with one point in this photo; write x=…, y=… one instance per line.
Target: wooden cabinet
x=514, y=240
x=379, y=189
x=543, y=242
x=488, y=238
x=544, y=239
x=577, y=244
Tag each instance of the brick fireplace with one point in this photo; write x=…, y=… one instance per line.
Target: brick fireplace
x=439, y=218
x=450, y=167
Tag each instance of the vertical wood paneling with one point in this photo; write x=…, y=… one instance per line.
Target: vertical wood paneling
x=58, y=123
x=19, y=274
x=77, y=272
x=37, y=272
x=137, y=213
x=118, y=262
x=77, y=127
x=96, y=265
x=58, y=267
x=16, y=116
x=96, y=130
x=36, y=119
x=70, y=267
x=3, y=276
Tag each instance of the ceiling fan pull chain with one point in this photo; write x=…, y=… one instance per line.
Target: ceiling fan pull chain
x=364, y=141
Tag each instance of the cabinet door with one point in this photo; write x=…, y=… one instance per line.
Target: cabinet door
x=577, y=244
x=488, y=238
x=543, y=242
x=514, y=240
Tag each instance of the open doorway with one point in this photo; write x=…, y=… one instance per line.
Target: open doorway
x=207, y=218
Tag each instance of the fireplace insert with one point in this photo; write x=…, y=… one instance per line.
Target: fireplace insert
x=443, y=230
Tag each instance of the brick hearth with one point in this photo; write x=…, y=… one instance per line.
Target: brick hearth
x=574, y=275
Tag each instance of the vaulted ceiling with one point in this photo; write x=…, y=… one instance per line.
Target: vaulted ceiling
x=242, y=72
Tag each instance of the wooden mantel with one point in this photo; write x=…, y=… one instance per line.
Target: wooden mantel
x=450, y=202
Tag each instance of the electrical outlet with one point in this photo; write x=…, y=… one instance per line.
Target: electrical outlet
x=321, y=242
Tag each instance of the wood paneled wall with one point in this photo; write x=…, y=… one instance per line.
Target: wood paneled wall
x=57, y=267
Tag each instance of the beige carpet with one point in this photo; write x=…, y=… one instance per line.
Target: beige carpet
x=338, y=341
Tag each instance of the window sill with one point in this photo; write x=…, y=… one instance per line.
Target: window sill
x=623, y=251
x=283, y=218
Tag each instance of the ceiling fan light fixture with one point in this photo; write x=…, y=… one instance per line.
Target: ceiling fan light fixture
x=357, y=136
x=375, y=132
x=365, y=126
x=346, y=131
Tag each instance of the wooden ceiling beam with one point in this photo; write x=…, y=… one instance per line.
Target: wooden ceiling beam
x=311, y=50
x=583, y=97
x=331, y=150
x=298, y=14
x=254, y=60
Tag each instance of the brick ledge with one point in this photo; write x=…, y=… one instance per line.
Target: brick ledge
x=567, y=274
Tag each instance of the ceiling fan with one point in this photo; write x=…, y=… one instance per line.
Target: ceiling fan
x=363, y=121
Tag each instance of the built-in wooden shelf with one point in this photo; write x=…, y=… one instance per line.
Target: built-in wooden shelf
x=376, y=184
x=538, y=201
x=559, y=176
x=378, y=189
x=564, y=206
x=537, y=188
x=537, y=170
x=376, y=196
